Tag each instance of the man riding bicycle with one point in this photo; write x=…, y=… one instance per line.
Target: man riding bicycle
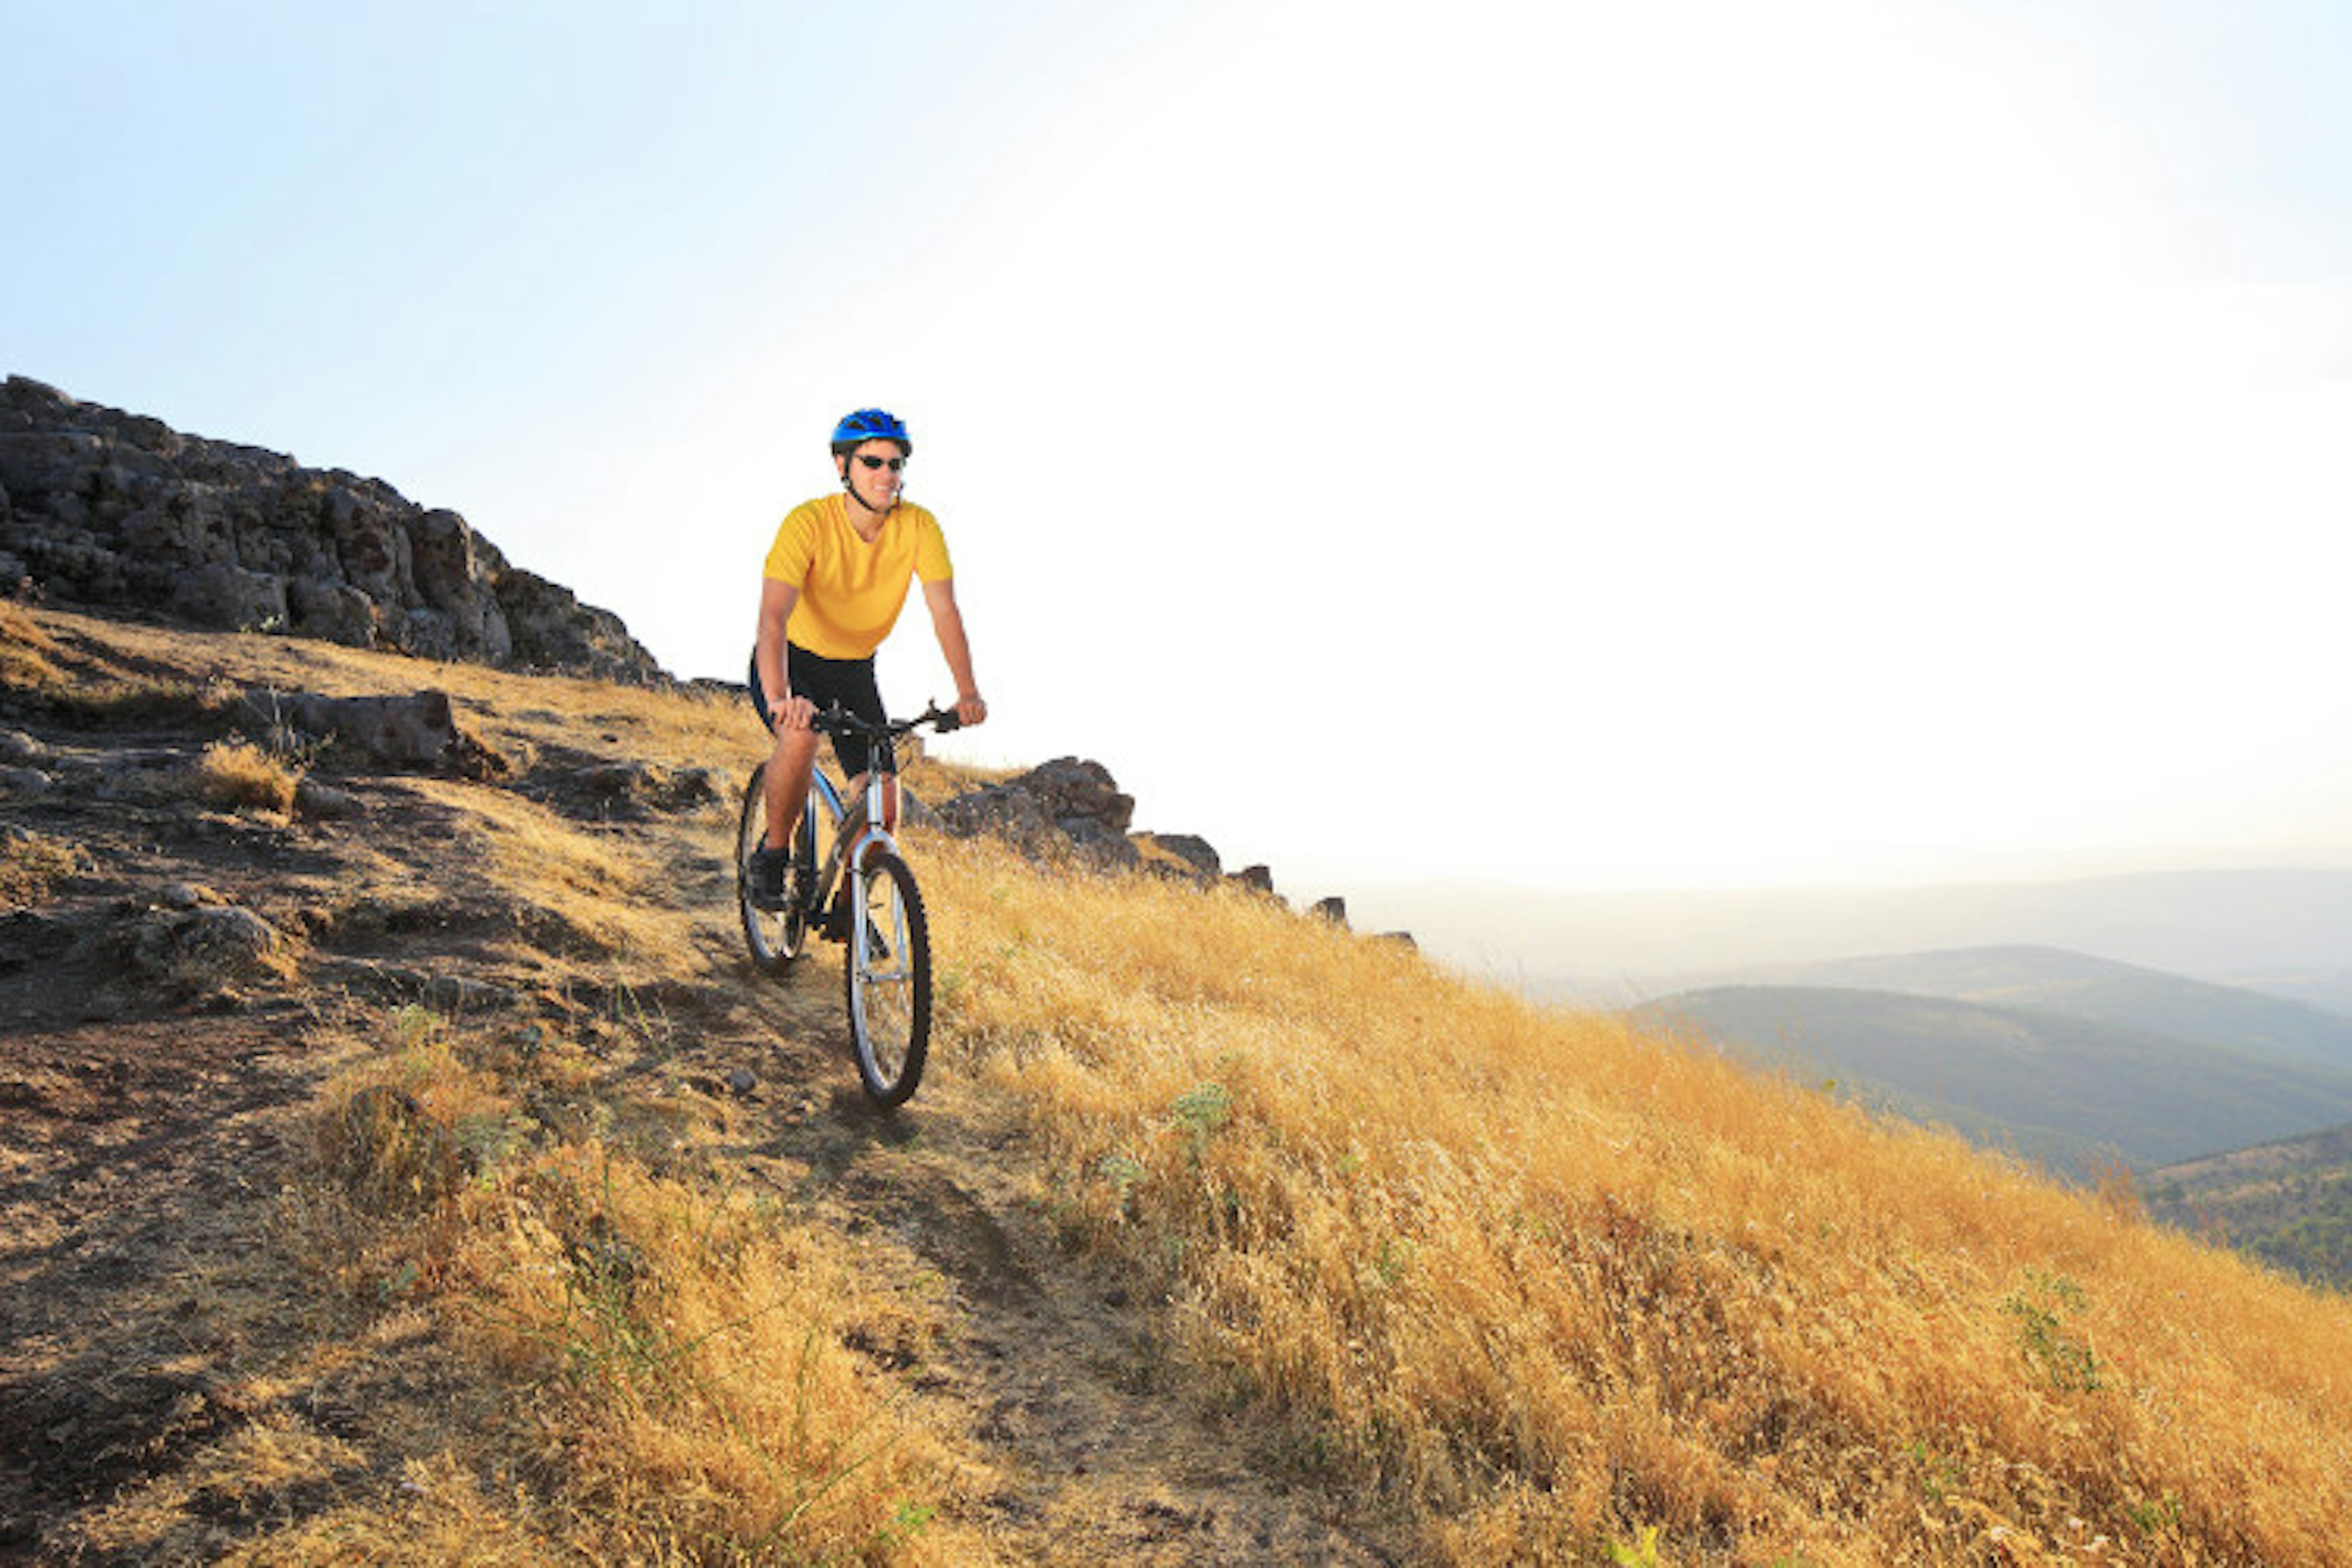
x=835, y=582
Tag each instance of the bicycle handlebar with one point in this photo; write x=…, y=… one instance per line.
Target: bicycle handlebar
x=835, y=719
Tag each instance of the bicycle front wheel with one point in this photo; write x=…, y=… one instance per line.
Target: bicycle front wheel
x=888, y=978
x=775, y=936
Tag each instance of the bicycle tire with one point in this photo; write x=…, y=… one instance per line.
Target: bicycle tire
x=886, y=983
x=775, y=937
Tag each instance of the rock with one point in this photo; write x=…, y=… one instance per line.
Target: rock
x=614, y=780
x=30, y=936
x=633, y=784
x=420, y=730
x=1001, y=812
x=1072, y=789
x=1100, y=844
x=464, y=994
x=690, y=787
x=15, y=746
x=742, y=1081
x=208, y=944
x=106, y=509
x=1194, y=851
x=1068, y=805
x=551, y=629
x=405, y=982
x=228, y=598
x=25, y=781
x=1333, y=909
x=324, y=802
x=1256, y=878
x=333, y=611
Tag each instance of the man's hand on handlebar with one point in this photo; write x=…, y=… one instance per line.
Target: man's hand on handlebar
x=972, y=709
x=794, y=713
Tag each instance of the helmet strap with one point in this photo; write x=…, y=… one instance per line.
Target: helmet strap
x=852, y=489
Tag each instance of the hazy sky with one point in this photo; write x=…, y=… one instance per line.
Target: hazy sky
x=1692, y=442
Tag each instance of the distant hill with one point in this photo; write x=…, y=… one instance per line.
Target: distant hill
x=2288, y=1203
x=2328, y=990
x=2265, y=927
x=2128, y=995
x=2056, y=1088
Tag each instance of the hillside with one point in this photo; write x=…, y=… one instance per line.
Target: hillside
x=2130, y=997
x=402, y=1163
x=2059, y=1089
x=2288, y=1203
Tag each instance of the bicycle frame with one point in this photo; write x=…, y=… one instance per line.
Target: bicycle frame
x=856, y=827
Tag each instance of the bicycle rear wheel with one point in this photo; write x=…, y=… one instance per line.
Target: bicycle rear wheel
x=887, y=976
x=775, y=937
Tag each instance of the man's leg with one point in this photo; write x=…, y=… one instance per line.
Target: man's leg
x=787, y=782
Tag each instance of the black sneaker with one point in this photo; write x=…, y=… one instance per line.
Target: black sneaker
x=767, y=878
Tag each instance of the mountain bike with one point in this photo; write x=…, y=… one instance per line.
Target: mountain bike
x=847, y=882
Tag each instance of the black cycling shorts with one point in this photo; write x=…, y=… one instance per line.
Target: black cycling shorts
x=849, y=681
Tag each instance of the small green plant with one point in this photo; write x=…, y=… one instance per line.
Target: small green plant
x=2063, y=1357
x=1123, y=1172
x=1939, y=1476
x=1199, y=1112
x=414, y=1027
x=907, y=1521
x=1643, y=1553
x=1391, y=1262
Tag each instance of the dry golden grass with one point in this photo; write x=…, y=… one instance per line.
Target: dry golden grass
x=1558, y=1284
x=25, y=649
x=669, y=1354
x=33, y=863
x=595, y=888
x=238, y=776
x=1566, y=1283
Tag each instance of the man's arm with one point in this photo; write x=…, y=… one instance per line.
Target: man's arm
x=948, y=621
x=776, y=602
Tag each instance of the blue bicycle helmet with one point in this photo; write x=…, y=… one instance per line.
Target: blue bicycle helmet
x=870, y=425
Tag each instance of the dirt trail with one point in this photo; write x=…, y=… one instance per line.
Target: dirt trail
x=1065, y=1376
x=152, y=1112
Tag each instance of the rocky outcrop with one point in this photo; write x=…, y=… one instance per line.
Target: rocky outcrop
x=1069, y=805
x=103, y=510
x=1072, y=807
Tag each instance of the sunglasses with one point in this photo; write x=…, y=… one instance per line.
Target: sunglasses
x=871, y=461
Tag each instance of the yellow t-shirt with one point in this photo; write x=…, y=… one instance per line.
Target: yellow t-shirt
x=852, y=592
